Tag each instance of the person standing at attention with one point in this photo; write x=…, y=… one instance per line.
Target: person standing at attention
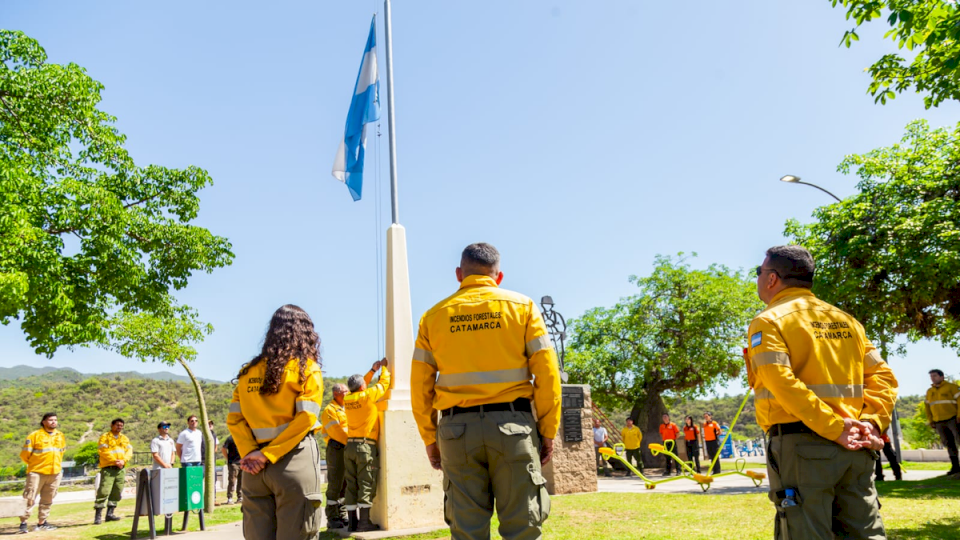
x=273, y=414
x=632, y=437
x=115, y=451
x=669, y=432
x=600, y=440
x=43, y=454
x=711, y=440
x=483, y=358
x=691, y=435
x=823, y=396
x=189, y=444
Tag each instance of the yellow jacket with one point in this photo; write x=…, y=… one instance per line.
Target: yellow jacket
x=363, y=417
x=811, y=362
x=482, y=345
x=276, y=422
x=112, y=449
x=43, y=452
x=632, y=436
x=943, y=402
x=334, y=420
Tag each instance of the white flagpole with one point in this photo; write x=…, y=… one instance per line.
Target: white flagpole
x=391, y=122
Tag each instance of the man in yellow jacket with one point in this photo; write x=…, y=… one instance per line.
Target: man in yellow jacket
x=43, y=454
x=632, y=437
x=823, y=396
x=115, y=451
x=334, y=429
x=361, y=457
x=942, y=406
x=484, y=361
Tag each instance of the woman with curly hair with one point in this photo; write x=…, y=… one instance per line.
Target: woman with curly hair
x=273, y=415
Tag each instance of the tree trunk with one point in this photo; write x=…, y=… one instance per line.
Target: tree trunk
x=646, y=413
x=210, y=467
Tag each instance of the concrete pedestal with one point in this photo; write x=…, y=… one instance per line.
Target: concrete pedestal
x=410, y=492
x=573, y=467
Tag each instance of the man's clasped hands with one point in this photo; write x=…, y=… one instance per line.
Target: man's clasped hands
x=857, y=435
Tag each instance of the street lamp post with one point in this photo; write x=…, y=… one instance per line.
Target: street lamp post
x=895, y=420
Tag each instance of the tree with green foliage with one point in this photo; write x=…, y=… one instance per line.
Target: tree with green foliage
x=87, y=455
x=84, y=231
x=929, y=30
x=917, y=431
x=890, y=255
x=682, y=334
x=91, y=244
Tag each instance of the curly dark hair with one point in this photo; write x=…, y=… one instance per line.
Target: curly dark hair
x=290, y=335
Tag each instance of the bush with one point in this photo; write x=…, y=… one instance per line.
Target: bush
x=87, y=454
x=917, y=432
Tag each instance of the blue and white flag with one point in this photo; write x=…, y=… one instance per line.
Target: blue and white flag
x=365, y=108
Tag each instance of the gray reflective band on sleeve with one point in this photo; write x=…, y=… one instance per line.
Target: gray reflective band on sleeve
x=538, y=344
x=309, y=406
x=421, y=355
x=763, y=393
x=45, y=450
x=942, y=402
x=316, y=425
x=769, y=358
x=837, y=390
x=331, y=424
x=235, y=407
x=872, y=358
x=103, y=446
x=955, y=396
x=268, y=433
x=484, y=377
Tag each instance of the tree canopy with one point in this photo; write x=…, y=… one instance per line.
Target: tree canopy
x=86, y=235
x=681, y=334
x=890, y=255
x=929, y=30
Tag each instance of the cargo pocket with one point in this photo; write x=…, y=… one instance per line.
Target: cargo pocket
x=453, y=449
x=447, y=507
x=818, y=465
x=540, y=501
x=312, y=513
x=518, y=441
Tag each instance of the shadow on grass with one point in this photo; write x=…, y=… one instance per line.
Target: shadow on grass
x=937, y=487
x=943, y=529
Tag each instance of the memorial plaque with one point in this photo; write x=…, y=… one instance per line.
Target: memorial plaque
x=572, y=426
x=571, y=397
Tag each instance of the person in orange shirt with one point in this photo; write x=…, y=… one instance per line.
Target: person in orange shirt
x=711, y=439
x=691, y=435
x=669, y=432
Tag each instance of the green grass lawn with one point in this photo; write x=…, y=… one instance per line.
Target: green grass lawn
x=911, y=511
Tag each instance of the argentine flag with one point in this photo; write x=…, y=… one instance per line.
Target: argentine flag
x=365, y=108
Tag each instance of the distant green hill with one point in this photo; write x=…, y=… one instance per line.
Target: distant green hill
x=85, y=408
x=54, y=374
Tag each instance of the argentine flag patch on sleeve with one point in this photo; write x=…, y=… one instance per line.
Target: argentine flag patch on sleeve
x=756, y=339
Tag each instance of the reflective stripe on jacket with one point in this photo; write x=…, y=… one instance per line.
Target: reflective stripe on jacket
x=114, y=448
x=279, y=421
x=43, y=452
x=812, y=363
x=363, y=416
x=632, y=437
x=943, y=402
x=483, y=345
x=334, y=420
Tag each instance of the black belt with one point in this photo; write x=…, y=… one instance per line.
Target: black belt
x=363, y=440
x=518, y=405
x=792, y=428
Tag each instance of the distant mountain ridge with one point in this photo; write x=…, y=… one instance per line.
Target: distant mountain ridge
x=55, y=374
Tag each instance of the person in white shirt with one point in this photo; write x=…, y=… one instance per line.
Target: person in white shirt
x=600, y=439
x=189, y=443
x=162, y=447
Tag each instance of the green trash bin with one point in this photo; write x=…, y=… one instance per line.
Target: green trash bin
x=191, y=488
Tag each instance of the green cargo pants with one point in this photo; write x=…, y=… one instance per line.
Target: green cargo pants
x=492, y=458
x=284, y=501
x=336, y=481
x=111, y=487
x=835, y=491
x=362, y=462
x=636, y=457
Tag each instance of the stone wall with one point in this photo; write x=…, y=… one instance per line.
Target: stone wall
x=573, y=467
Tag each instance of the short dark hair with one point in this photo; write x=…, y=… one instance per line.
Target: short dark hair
x=480, y=257
x=115, y=420
x=47, y=415
x=355, y=383
x=793, y=264
x=192, y=416
x=665, y=414
x=937, y=371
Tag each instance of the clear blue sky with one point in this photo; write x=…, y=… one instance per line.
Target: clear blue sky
x=581, y=139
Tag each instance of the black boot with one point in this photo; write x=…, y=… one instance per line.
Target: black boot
x=365, y=524
x=98, y=518
x=352, y=517
x=110, y=514
x=954, y=466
